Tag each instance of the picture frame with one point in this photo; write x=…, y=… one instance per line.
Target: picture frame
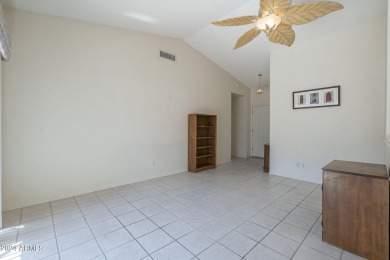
x=319, y=97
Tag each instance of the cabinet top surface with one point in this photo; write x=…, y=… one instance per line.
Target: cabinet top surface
x=201, y=115
x=358, y=168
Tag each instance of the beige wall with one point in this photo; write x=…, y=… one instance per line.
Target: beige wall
x=354, y=131
x=240, y=122
x=87, y=107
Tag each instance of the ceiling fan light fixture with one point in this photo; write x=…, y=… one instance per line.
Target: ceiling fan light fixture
x=268, y=23
x=276, y=17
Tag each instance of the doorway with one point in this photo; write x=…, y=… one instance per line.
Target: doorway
x=239, y=131
x=260, y=129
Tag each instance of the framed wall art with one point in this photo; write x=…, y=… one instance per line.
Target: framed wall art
x=319, y=97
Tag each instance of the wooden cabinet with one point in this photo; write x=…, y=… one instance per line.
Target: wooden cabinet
x=355, y=208
x=202, y=142
x=266, y=158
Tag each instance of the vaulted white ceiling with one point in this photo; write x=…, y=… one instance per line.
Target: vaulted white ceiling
x=190, y=20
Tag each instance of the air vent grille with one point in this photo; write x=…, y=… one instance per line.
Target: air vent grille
x=168, y=56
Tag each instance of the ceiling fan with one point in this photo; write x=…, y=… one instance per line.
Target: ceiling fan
x=276, y=18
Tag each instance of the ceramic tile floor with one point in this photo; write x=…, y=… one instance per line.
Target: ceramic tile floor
x=233, y=212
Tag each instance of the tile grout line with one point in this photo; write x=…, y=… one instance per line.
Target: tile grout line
x=177, y=240
x=123, y=226
x=54, y=229
x=136, y=239
x=89, y=227
x=280, y=221
x=20, y=223
x=217, y=241
x=309, y=230
x=290, y=224
x=174, y=240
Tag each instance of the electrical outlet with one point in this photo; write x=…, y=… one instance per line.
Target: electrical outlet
x=153, y=163
x=302, y=165
x=297, y=164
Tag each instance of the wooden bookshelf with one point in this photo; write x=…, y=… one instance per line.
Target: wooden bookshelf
x=202, y=142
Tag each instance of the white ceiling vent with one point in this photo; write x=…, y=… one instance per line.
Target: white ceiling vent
x=168, y=56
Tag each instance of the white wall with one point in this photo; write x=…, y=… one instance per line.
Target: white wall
x=1, y=167
x=240, y=126
x=387, y=139
x=353, y=58
x=87, y=107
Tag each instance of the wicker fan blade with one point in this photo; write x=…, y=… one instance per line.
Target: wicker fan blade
x=283, y=34
x=281, y=6
x=277, y=6
x=266, y=5
x=305, y=13
x=247, y=37
x=242, y=20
